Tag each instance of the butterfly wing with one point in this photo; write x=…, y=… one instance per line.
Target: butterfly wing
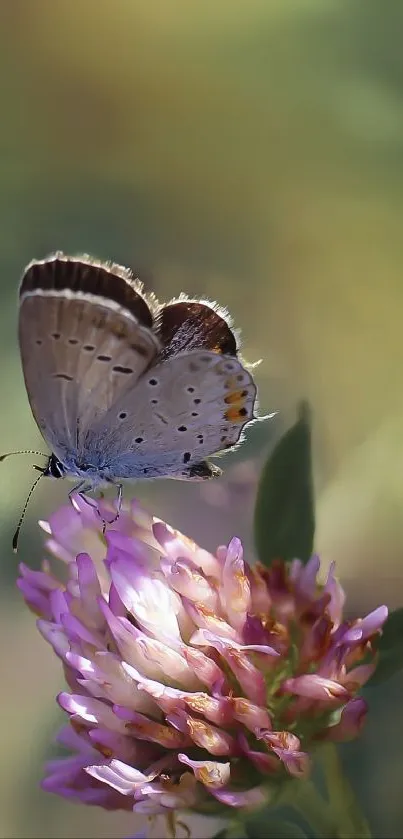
x=85, y=339
x=185, y=325
x=179, y=412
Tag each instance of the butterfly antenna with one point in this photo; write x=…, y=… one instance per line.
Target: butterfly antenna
x=17, y=532
x=26, y=451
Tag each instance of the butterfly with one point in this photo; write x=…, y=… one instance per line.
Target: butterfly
x=121, y=386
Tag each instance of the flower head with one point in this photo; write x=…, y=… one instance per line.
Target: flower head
x=194, y=680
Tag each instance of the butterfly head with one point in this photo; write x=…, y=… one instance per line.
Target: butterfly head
x=54, y=468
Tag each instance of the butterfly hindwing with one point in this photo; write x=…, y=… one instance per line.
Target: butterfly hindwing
x=178, y=413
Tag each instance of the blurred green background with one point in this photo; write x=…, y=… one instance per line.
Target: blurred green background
x=250, y=151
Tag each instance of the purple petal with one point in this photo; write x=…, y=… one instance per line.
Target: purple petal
x=40, y=579
x=208, y=621
x=358, y=676
x=188, y=581
x=351, y=721
x=90, y=592
x=90, y=711
x=55, y=635
x=235, y=590
x=306, y=581
x=148, y=599
x=111, y=744
x=35, y=599
x=265, y=763
x=154, y=658
x=125, y=779
x=252, y=716
x=337, y=596
x=315, y=687
x=373, y=622
x=209, y=737
x=242, y=799
x=77, y=632
x=206, y=670
x=249, y=677
x=210, y=773
x=106, y=678
x=176, y=546
x=147, y=729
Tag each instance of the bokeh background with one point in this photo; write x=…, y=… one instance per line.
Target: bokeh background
x=250, y=151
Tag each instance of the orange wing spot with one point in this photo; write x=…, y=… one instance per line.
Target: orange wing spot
x=236, y=414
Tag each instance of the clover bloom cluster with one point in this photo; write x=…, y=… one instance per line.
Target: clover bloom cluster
x=195, y=681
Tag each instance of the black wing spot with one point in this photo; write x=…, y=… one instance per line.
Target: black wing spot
x=243, y=412
x=104, y=358
x=38, y=341
x=56, y=335
x=139, y=440
x=197, y=401
x=122, y=415
x=182, y=428
x=190, y=389
x=154, y=401
x=145, y=471
x=195, y=414
x=64, y=376
x=119, y=369
x=186, y=457
x=239, y=378
x=153, y=382
x=88, y=347
x=73, y=341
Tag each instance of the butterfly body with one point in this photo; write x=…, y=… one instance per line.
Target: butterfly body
x=123, y=387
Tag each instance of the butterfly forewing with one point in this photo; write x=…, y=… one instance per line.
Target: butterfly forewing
x=80, y=353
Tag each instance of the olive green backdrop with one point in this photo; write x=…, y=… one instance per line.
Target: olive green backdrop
x=250, y=151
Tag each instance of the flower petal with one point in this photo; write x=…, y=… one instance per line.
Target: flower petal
x=315, y=687
x=235, y=589
x=149, y=600
x=210, y=773
x=125, y=779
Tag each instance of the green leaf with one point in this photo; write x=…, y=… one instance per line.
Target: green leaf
x=284, y=512
x=236, y=830
x=390, y=649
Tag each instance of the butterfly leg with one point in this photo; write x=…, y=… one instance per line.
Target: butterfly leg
x=119, y=499
x=118, y=508
x=81, y=488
